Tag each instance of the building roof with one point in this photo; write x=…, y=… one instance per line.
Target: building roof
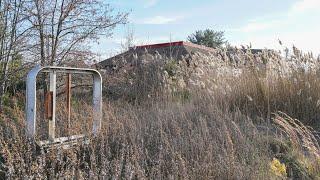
x=177, y=43
x=175, y=50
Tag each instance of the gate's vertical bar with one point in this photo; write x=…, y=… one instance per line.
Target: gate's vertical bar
x=31, y=109
x=97, y=102
x=52, y=120
x=68, y=90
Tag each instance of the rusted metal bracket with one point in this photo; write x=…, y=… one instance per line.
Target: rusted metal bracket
x=50, y=102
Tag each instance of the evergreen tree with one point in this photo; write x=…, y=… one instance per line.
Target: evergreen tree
x=208, y=37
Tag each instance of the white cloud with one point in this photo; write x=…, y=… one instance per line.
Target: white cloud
x=150, y=3
x=294, y=27
x=273, y=21
x=306, y=41
x=258, y=25
x=304, y=5
x=110, y=47
x=140, y=40
x=254, y=26
x=152, y=40
x=160, y=20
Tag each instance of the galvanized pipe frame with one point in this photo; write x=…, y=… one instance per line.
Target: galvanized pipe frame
x=31, y=88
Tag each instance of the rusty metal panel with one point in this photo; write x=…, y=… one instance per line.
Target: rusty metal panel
x=48, y=105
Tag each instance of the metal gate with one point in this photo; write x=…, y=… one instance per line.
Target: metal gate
x=31, y=99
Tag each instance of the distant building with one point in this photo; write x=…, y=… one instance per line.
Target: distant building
x=175, y=50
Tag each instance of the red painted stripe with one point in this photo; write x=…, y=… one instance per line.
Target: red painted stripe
x=178, y=43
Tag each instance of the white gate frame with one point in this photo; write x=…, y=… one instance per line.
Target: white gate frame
x=31, y=109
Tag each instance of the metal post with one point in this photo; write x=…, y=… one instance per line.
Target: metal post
x=97, y=103
x=52, y=119
x=68, y=91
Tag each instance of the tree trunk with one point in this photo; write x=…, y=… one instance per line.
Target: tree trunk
x=2, y=93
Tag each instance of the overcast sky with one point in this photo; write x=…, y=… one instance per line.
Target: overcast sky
x=259, y=22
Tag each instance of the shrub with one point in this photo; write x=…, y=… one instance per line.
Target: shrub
x=278, y=168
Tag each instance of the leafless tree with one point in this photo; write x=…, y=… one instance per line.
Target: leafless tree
x=13, y=33
x=50, y=32
x=129, y=39
x=64, y=28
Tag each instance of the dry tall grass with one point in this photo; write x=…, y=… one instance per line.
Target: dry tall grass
x=209, y=120
x=194, y=140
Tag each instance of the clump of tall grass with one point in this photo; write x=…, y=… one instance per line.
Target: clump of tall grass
x=258, y=84
x=196, y=140
x=302, y=158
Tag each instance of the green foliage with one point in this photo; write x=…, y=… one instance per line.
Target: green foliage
x=209, y=38
x=278, y=168
x=182, y=95
x=294, y=167
x=297, y=166
x=171, y=67
x=2, y=169
x=6, y=99
x=15, y=74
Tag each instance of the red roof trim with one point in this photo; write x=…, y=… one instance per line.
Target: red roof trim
x=178, y=43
